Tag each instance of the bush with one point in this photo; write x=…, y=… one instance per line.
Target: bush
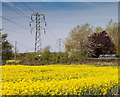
x=51, y=58
x=63, y=57
x=77, y=57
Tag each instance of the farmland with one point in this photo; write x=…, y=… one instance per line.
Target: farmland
x=59, y=80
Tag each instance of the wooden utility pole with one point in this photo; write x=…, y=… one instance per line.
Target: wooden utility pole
x=15, y=51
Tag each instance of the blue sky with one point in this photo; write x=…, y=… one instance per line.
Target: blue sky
x=62, y=0
x=61, y=17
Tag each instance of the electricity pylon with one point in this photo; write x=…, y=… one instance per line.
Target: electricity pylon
x=59, y=41
x=38, y=19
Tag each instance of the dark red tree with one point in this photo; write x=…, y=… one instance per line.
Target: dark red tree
x=101, y=43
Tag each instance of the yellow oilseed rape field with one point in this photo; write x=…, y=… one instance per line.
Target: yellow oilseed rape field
x=59, y=80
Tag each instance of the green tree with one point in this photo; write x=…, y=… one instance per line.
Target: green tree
x=7, y=52
x=98, y=29
x=112, y=30
x=0, y=47
x=54, y=58
x=78, y=39
x=46, y=55
x=63, y=57
x=76, y=57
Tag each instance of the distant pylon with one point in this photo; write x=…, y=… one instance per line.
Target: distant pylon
x=59, y=44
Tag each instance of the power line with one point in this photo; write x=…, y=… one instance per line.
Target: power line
x=18, y=9
x=29, y=9
x=14, y=23
x=14, y=10
x=13, y=31
x=11, y=9
x=28, y=6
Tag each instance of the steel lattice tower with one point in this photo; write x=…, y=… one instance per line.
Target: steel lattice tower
x=38, y=19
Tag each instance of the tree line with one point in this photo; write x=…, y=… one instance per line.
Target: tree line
x=83, y=41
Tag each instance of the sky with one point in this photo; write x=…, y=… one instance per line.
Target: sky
x=61, y=0
x=61, y=18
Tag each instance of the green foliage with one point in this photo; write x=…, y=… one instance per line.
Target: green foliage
x=77, y=57
x=46, y=55
x=77, y=45
x=78, y=38
x=7, y=52
x=51, y=58
x=112, y=30
x=54, y=58
x=27, y=58
x=98, y=29
x=63, y=57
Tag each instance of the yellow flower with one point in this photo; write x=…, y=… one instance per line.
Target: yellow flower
x=58, y=79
